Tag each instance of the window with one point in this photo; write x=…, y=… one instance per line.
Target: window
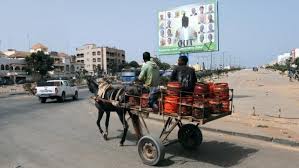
x=93, y=60
x=99, y=59
x=99, y=53
x=93, y=53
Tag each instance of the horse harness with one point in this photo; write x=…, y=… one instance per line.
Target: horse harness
x=113, y=95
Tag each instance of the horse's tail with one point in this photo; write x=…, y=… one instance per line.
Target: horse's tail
x=137, y=125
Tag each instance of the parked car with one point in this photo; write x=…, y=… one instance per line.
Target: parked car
x=255, y=69
x=56, y=89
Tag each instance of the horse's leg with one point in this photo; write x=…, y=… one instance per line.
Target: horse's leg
x=121, y=114
x=107, y=125
x=100, y=115
x=136, y=124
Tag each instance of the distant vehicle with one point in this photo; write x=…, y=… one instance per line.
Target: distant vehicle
x=56, y=89
x=128, y=76
x=167, y=73
x=22, y=81
x=255, y=69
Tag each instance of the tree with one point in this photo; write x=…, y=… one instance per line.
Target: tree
x=162, y=65
x=134, y=64
x=39, y=63
x=296, y=62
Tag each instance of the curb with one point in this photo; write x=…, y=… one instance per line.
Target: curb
x=244, y=135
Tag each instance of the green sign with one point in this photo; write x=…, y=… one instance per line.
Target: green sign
x=189, y=29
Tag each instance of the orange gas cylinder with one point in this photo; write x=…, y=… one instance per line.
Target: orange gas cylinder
x=225, y=106
x=171, y=104
x=174, y=88
x=144, y=100
x=202, y=112
x=186, y=107
x=201, y=108
x=200, y=102
x=215, y=106
x=201, y=89
x=211, y=89
x=221, y=91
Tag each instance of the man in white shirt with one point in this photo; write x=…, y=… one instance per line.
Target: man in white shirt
x=185, y=32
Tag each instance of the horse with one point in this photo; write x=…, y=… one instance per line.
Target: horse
x=111, y=98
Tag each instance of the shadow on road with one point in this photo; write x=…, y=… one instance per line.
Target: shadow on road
x=222, y=154
x=66, y=101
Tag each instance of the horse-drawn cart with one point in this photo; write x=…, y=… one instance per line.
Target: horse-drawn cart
x=195, y=108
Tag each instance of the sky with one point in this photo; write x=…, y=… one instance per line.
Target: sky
x=252, y=32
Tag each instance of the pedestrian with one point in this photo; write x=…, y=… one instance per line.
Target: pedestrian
x=150, y=76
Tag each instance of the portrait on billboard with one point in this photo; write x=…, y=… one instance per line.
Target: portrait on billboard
x=211, y=8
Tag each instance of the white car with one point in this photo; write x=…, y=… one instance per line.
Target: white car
x=56, y=89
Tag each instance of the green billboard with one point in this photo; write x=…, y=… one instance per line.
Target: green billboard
x=189, y=29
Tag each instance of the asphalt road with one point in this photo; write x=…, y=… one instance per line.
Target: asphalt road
x=60, y=135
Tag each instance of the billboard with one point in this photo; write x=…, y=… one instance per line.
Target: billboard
x=189, y=29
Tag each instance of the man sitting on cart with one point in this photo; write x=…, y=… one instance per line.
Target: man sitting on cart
x=151, y=77
x=184, y=74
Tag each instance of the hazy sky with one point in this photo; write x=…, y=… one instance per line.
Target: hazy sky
x=253, y=30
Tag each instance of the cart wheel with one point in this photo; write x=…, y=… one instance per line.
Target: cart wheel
x=151, y=150
x=190, y=136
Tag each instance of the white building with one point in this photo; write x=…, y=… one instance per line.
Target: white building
x=14, y=54
x=103, y=58
x=281, y=59
x=13, y=69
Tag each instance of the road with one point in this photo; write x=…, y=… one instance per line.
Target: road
x=60, y=135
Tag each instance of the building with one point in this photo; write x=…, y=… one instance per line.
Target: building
x=14, y=54
x=13, y=69
x=2, y=54
x=64, y=65
x=197, y=67
x=294, y=54
x=39, y=47
x=96, y=58
x=281, y=59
